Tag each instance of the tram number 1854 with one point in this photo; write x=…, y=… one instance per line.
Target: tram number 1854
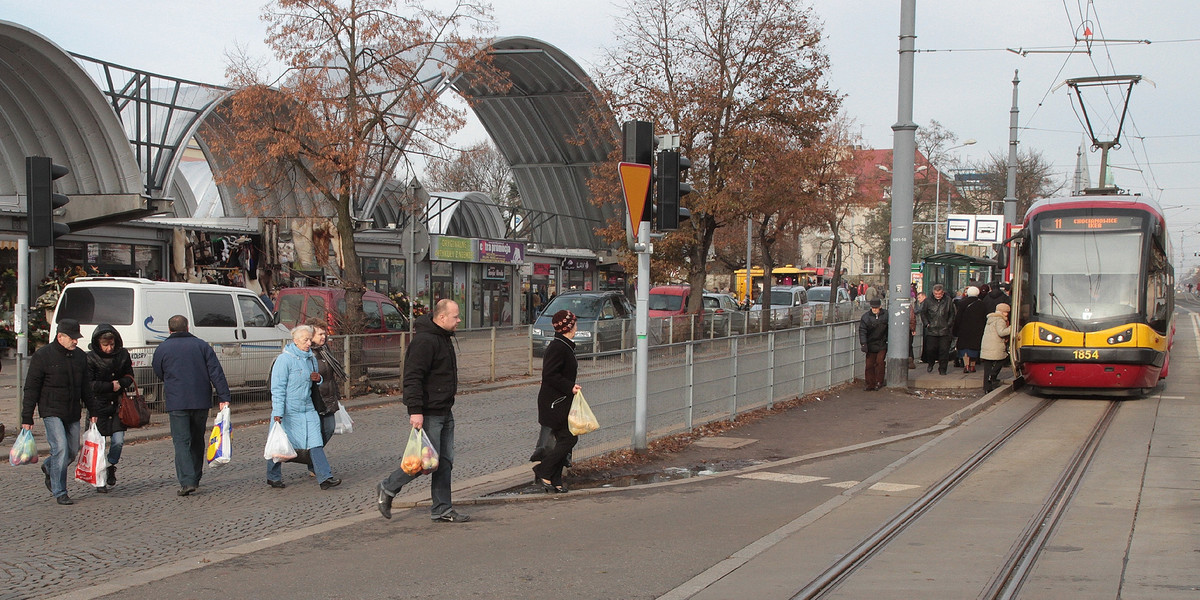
x=1087, y=354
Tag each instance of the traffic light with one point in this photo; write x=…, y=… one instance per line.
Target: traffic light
x=41, y=201
x=672, y=170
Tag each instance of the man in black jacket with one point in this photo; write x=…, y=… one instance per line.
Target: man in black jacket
x=430, y=383
x=873, y=338
x=58, y=384
x=937, y=312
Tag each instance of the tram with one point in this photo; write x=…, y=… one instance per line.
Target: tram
x=1093, y=295
x=785, y=275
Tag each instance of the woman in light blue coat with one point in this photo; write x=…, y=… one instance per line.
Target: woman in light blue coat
x=292, y=379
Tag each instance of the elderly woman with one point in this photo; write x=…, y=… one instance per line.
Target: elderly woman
x=559, y=370
x=293, y=377
x=994, y=346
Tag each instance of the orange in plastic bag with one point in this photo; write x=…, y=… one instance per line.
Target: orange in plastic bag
x=419, y=455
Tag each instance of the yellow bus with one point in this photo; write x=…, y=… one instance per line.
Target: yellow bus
x=785, y=275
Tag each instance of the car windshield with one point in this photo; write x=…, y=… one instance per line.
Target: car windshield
x=818, y=295
x=584, y=307
x=670, y=302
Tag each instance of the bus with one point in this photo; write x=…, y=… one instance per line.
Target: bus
x=1093, y=295
x=785, y=275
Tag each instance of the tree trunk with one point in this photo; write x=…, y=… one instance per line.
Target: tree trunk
x=352, y=282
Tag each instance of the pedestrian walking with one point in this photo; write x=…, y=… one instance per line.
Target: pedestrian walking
x=937, y=312
x=970, y=319
x=559, y=371
x=294, y=376
x=994, y=348
x=57, y=383
x=430, y=384
x=872, y=339
x=189, y=371
x=111, y=371
x=332, y=376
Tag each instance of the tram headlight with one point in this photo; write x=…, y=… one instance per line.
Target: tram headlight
x=1049, y=336
x=1122, y=337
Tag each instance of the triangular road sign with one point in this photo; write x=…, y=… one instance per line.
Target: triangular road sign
x=635, y=184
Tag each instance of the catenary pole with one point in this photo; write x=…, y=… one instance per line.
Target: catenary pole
x=904, y=145
x=1010, y=190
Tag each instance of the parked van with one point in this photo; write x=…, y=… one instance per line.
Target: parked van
x=233, y=319
x=383, y=325
x=668, y=309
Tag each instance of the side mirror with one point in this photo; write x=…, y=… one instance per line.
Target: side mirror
x=1001, y=257
x=274, y=319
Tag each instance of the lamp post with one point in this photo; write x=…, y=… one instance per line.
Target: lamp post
x=937, y=195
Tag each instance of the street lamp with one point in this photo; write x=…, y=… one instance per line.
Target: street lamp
x=937, y=195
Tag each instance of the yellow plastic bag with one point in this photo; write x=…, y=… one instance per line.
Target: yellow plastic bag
x=581, y=419
x=419, y=455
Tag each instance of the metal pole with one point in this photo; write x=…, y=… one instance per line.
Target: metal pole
x=749, y=247
x=937, y=219
x=1010, y=191
x=904, y=148
x=21, y=312
x=641, y=329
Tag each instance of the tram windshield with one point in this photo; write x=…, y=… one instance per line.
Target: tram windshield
x=1086, y=275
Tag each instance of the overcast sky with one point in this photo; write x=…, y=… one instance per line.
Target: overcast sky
x=964, y=81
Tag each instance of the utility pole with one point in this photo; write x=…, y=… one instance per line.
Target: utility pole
x=904, y=148
x=1010, y=190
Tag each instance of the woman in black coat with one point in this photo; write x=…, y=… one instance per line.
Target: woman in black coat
x=111, y=369
x=559, y=370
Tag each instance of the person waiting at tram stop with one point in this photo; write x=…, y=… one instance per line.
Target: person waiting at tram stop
x=937, y=312
x=872, y=339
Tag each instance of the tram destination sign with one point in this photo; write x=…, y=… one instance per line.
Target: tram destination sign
x=1094, y=223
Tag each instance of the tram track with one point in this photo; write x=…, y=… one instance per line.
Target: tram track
x=1008, y=579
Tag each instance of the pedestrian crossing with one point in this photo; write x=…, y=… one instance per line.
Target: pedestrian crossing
x=845, y=485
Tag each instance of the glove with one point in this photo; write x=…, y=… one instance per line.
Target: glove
x=126, y=382
x=864, y=347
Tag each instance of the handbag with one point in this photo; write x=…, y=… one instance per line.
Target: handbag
x=132, y=409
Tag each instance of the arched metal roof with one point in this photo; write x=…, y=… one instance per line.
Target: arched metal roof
x=52, y=108
x=464, y=214
x=536, y=124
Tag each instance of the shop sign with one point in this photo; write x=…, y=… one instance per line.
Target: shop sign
x=452, y=248
x=493, y=272
x=488, y=251
x=578, y=264
x=541, y=268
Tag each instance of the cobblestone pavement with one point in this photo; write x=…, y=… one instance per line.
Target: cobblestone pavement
x=141, y=523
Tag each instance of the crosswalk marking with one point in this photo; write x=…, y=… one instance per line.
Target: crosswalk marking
x=782, y=477
x=788, y=478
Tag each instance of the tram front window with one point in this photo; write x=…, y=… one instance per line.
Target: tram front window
x=1088, y=275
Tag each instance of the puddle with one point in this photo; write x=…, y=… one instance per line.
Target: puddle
x=668, y=474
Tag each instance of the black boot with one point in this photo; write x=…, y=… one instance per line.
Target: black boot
x=112, y=475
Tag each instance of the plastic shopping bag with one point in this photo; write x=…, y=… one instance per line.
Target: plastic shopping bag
x=24, y=450
x=279, y=447
x=341, y=421
x=419, y=455
x=218, y=441
x=581, y=419
x=93, y=459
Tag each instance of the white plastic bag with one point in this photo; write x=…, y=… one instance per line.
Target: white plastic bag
x=342, y=421
x=93, y=459
x=279, y=447
x=581, y=419
x=218, y=440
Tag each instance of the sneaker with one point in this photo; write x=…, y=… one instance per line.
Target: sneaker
x=453, y=516
x=383, y=501
x=65, y=500
x=331, y=482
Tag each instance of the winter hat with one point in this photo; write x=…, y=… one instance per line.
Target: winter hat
x=876, y=304
x=563, y=321
x=972, y=292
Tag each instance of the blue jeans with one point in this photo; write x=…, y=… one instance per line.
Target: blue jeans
x=64, y=447
x=187, y=433
x=320, y=466
x=328, y=424
x=115, y=443
x=440, y=429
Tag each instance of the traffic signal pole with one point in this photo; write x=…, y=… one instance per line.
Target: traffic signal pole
x=642, y=330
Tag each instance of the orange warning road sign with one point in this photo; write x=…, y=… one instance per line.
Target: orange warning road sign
x=635, y=183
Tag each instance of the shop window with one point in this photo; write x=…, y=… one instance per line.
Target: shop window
x=213, y=310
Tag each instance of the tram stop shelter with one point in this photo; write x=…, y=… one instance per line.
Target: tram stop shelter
x=954, y=270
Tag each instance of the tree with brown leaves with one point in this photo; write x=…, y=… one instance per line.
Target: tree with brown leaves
x=360, y=91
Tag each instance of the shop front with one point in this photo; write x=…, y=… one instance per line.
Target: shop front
x=479, y=275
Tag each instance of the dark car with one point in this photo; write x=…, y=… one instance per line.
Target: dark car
x=604, y=323
x=723, y=316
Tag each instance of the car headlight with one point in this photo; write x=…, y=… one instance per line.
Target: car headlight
x=535, y=331
x=587, y=335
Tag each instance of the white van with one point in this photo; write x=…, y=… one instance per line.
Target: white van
x=245, y=335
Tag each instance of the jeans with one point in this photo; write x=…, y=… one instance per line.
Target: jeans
x=320, y=466
x=64, y=447
x=187, y=433
x=116, y=442
x=551, y=467
x=440, y=429
x=328, y=423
